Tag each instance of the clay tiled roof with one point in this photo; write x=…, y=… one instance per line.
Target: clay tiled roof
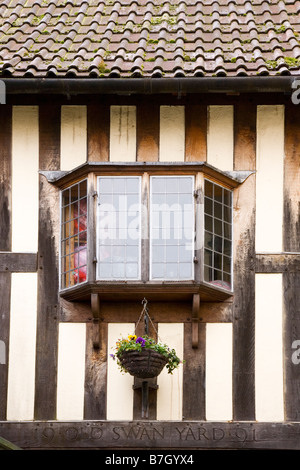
x=149, y=38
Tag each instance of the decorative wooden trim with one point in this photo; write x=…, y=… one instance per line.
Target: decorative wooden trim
x=47, y=306
x=291, y=261
x=175, y=435
x=5, y=243
x=195, y=133
x=98, y=118
x=232, y=179
x=18, y=262
x=244, y=274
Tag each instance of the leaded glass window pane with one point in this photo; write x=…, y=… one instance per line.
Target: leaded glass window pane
x=171, y=228
x=217, y=235
x=118, y=228
x=74, y=235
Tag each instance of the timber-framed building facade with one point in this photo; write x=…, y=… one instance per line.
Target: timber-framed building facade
x=176, y=104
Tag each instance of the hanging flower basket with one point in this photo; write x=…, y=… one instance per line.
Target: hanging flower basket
x=143, y=357
x=143, y=364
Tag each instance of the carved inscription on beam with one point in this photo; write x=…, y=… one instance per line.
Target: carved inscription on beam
x=151, y=434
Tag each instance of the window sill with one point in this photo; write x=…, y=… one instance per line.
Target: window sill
x=153, y=290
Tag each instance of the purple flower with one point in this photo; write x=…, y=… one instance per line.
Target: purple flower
x=113, y=356
x=141, y=340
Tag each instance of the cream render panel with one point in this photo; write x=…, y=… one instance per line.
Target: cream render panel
x=169, y=394
x=172, y=134
x=269, y=178
x=25, y=178
x=73, y=136
x=220, y=137
x=22, y=347
x=122, y=133
x=269, y=348
x=119, y=385
x=219, y=371
x=71, y=371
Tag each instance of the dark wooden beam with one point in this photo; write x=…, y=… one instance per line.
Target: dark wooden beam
x=291, y=261
x=194, y=373
x=47, y=303
x=147, y=132
x=98, y=119
x=18, y=262
x=195, y=132
x=5, y=244
x=244, y=274
x=177, y=435
x=277, y=263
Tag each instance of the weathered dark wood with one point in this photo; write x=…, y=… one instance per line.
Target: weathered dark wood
x=175, y=435
x=147, y=132
x=18, y=262
x=291, y=275
x=98, y=119
x=195, y=317
x=5, y=285
x=5, y=245
x=152, y=390
x=277, y=262
x=5, y=177
x=47, y=306
x=194, y=373
x=95, y=375
x=244, y=273
x=195, y=133
x=210, y=312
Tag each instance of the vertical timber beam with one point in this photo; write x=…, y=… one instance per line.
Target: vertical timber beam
x=244, y=256
x=47, y=311
x=291, y=278
x=96, y=364
x=5, y=245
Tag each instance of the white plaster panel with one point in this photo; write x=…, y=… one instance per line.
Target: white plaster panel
x=218, y=371
x=123, y=133
x=169, y=394
x=119, y=385
x=172, y=134
x=22, y=347
x=220, y=137
x=25, y=178
x=269, y=178
x=73, y=136
x=71, y=371
x=268, y=348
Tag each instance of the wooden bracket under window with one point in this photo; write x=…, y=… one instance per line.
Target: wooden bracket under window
x=195, y=320
x=95, y=305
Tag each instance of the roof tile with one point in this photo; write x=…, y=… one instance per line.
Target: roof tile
x=149, y=38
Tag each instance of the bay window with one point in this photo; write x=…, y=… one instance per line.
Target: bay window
x=146, y=229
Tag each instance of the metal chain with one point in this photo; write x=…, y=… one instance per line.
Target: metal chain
x=145, y=311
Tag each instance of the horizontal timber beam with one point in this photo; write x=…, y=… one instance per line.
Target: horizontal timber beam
x=18, y=262
x=152, y=434
x=277, y=262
